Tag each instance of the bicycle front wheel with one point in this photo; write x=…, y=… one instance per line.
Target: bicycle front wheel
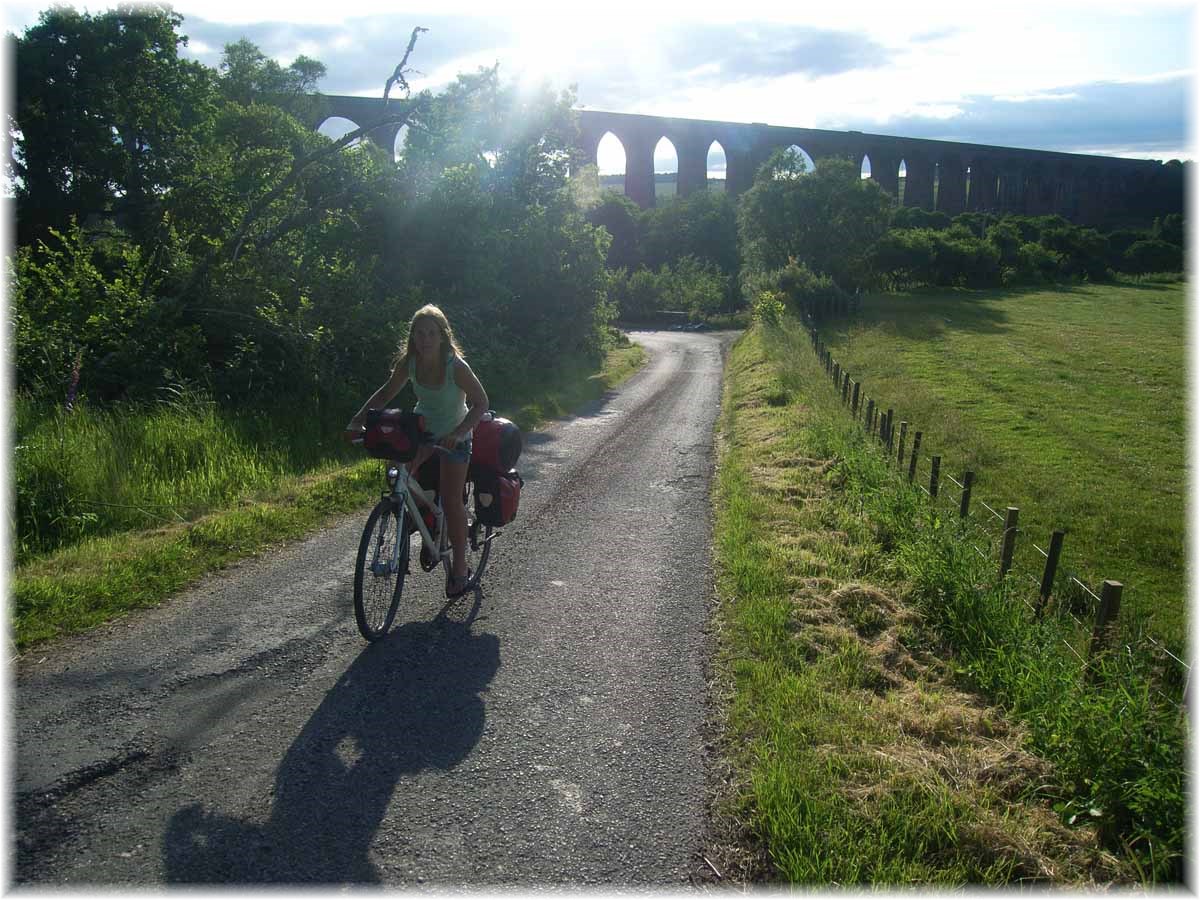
x=380, y=569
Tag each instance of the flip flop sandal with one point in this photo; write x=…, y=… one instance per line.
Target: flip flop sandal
x=456, y=587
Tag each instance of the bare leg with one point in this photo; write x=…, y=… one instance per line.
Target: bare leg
x=453, y=477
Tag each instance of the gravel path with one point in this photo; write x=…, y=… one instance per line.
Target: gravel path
x=546, y=732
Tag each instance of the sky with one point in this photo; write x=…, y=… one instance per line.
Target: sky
x=1110, y=78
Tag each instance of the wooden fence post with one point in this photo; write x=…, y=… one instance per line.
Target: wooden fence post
x=854, y=402
x=964, y=506
x=869, y=421
x=900, y=443
x=912, y=463
x=1010, y=539
x=1056, y=542
x=936, y=465
x=890, y=436
x=1106, y=616
x=845, y=388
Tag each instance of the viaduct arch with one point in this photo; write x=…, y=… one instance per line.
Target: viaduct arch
x=939, y=175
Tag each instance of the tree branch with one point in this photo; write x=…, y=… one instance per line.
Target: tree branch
x=398, y=75
x=259, y=207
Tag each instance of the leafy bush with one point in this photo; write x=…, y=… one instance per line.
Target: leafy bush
x=1084, y=251
x=826, y=219
x=904, y=257
x=963, y=260
x=620, y=217
x=79, y=294
x=1153, y=256
x=915, y=217
x=691, y=285
x=1170, y=228
x=1036, y=263
x=769, y=307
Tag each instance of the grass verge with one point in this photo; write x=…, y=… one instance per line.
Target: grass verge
x=101, y=577
x=889, y=720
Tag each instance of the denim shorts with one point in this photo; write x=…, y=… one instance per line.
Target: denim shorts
x=460, y=454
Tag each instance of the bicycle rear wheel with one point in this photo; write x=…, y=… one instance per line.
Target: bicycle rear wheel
x=479, y=541
x=380, y=569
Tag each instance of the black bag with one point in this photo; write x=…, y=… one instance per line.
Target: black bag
x=393, y=434
x=497, y=495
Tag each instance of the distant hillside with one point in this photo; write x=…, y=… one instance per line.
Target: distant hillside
x=664, y=183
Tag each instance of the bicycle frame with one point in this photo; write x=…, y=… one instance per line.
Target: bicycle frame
x=407, y=487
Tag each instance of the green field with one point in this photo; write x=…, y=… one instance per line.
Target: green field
x=1067, y=402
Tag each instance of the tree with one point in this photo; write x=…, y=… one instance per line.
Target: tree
x=702, y=224
x=248, y=75
x=827, y=219
x=106, y=112
x=620, y=217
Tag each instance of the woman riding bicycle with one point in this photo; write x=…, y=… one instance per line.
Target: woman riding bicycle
x=452, y=401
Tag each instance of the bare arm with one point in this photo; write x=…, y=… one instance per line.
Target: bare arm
x=477, y=402
x=380, y=398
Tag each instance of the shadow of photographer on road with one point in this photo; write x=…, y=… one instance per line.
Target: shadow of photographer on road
x=408, y=702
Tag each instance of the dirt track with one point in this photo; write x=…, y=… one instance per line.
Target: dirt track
x=547, y=732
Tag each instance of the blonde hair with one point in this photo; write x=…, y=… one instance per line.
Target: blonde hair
x=448, y=343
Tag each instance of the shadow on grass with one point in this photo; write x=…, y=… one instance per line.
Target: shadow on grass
x=408, y=702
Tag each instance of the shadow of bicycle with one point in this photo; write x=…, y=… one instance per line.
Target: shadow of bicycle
x=408, y=702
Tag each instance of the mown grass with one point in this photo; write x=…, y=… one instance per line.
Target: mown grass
x=1067, y=403
x=894, y=716
x=145, y=500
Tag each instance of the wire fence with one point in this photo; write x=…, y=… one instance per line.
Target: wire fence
x=999, y=547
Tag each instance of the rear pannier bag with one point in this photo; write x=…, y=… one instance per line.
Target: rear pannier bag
x=393, y=434
x=495, y=444
x=497, y=495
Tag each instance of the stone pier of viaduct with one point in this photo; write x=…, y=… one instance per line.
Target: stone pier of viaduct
x=944, y=175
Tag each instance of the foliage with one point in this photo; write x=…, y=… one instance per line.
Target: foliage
x=1152, y=256
x=106, y=113
x=620, y=217
x=1083, y=252
x=915, y=217
x=702, y=225
x=951, y=257
x=799, y=286
x=261, y=259
x=1037, y=263
x=86, y=295
x=769, y=307
x=827, y=219
x=692, y=285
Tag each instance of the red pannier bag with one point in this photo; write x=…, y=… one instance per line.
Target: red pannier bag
x=495, y=444
x=393, y=434
x=497, y=495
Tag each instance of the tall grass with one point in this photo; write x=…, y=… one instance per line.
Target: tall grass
x=91, y=472
x=1112, y=726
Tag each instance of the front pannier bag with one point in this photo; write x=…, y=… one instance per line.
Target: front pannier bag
x=497, y=495
x=393, y=434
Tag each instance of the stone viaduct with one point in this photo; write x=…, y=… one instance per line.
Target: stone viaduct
x=943, y=175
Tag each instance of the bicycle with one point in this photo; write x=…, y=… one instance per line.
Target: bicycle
x=385, y=547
